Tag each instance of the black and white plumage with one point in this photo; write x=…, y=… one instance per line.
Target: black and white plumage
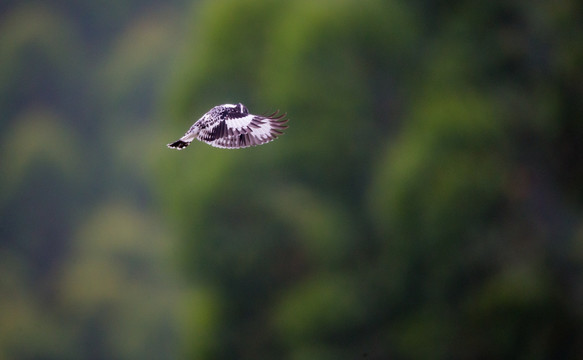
x=231, y=126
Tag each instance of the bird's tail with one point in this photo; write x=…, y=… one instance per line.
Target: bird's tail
x=179, y=145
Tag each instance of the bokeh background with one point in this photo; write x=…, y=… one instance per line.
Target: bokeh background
x=426, y=201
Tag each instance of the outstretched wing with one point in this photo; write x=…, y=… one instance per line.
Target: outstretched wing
x=249, y=130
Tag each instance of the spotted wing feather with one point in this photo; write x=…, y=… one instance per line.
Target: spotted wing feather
x=250, y=130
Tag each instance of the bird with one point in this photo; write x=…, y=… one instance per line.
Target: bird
x=231, y=126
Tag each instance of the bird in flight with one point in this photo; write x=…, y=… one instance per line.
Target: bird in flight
x=231, y=126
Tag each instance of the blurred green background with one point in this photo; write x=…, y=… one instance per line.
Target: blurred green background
x=426, y=201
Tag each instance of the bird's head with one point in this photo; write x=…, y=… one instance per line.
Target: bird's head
x=242, y=109
x=231, y=111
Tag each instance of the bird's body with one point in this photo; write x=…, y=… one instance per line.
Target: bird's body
x=231, y=126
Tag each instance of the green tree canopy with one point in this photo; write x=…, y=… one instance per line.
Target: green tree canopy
x=413, y=201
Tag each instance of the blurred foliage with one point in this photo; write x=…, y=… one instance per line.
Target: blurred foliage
x=85, y=269
x=425, y=202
